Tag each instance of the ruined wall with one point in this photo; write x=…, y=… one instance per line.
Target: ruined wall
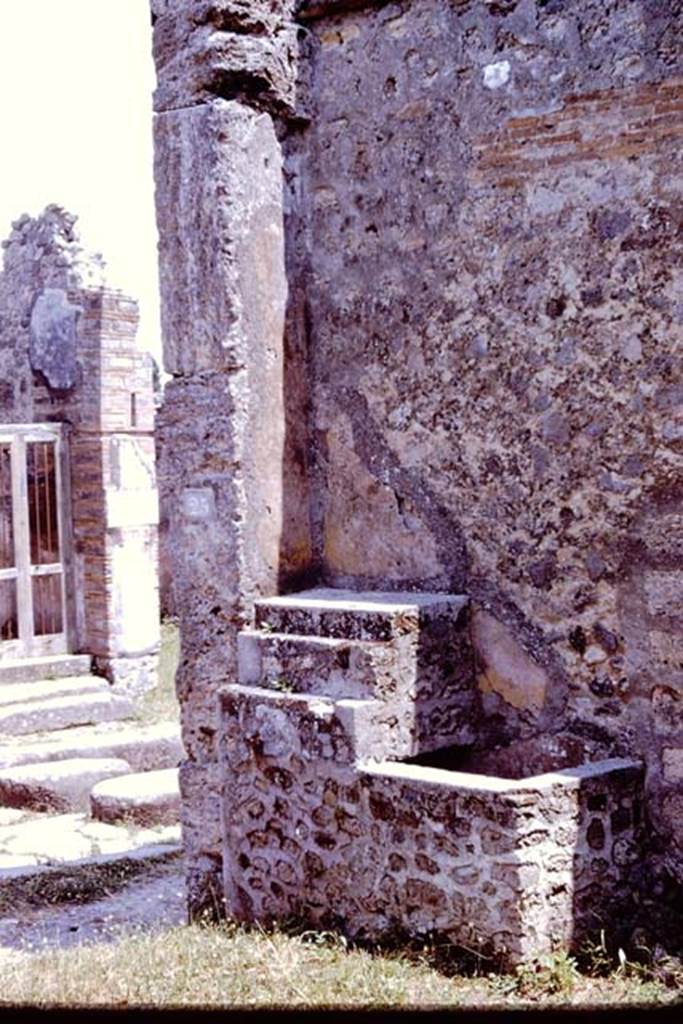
x=68, y=355
x=421, y=305
x=494, y=223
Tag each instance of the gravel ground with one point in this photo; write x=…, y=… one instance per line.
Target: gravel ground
x=156, y=900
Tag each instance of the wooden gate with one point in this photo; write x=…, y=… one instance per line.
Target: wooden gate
x=33, y=531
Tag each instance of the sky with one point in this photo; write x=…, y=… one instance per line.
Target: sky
x=76, y=82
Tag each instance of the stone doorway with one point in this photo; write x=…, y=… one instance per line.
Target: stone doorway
x=34, y=540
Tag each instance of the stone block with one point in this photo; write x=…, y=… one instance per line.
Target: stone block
x=328, y=666
x=57, y=786
x=356, y=616
x=219, y=176
x=672, y=763
x=143, y=798
x=63, y=712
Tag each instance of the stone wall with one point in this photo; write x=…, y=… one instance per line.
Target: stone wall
x=68, y=355
x=383, y=849
x=494, y=225
x=420, y=281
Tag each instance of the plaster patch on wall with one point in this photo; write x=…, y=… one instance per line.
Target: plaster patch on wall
x=365, y=506
x=135, y=608
x=53, y=338
x=504, y=668
x=131, y=467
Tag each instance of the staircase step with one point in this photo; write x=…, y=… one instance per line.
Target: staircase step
x=328, y=666
x=353, y=615
x=63, y=712
x=40, y=842
x=18, y=693
x=143, y=747
x=57, y=786
x=145, y=798
x=49, y=666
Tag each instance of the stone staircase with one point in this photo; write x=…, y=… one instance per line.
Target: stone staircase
x=387, y=648
x=81, y=782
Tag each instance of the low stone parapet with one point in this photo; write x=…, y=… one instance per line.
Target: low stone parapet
x=314, y=828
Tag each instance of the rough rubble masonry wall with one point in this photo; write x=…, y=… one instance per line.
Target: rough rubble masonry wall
x=515, y=868
x=421, y=287
x=76, y=363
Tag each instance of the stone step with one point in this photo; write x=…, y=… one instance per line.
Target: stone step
x=143, y=747
x=19, y=693
x=354, y=615
x=328, y=666
x=145, y=799
x=49, y=666
x=34, y=843
x=57, y=786
x=63, y=712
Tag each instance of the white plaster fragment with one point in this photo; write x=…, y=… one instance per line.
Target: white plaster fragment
x=496, y=75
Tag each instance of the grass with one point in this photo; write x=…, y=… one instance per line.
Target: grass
x=161, y=704
x=232, y=966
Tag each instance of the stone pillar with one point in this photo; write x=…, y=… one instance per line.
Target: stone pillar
x=113, y=490
x=223, y=286
x=123, y=436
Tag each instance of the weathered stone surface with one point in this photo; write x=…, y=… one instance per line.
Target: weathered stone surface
x=53, y=338
x=63, y=712
x=505, y=670
x=144, y=798
x=52, y=667
x=673, y=764
x=481, y=234
x=38, y=842
x=57, y=786
x=329, y=666
x=221, y=179
x=420, y=669
x=228, y=49
x=143, y=747
x=20, y=693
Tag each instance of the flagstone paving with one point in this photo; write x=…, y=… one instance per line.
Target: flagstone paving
x=59, y=737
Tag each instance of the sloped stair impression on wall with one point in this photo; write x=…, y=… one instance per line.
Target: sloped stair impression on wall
x=328, y=812
x=63, y=733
